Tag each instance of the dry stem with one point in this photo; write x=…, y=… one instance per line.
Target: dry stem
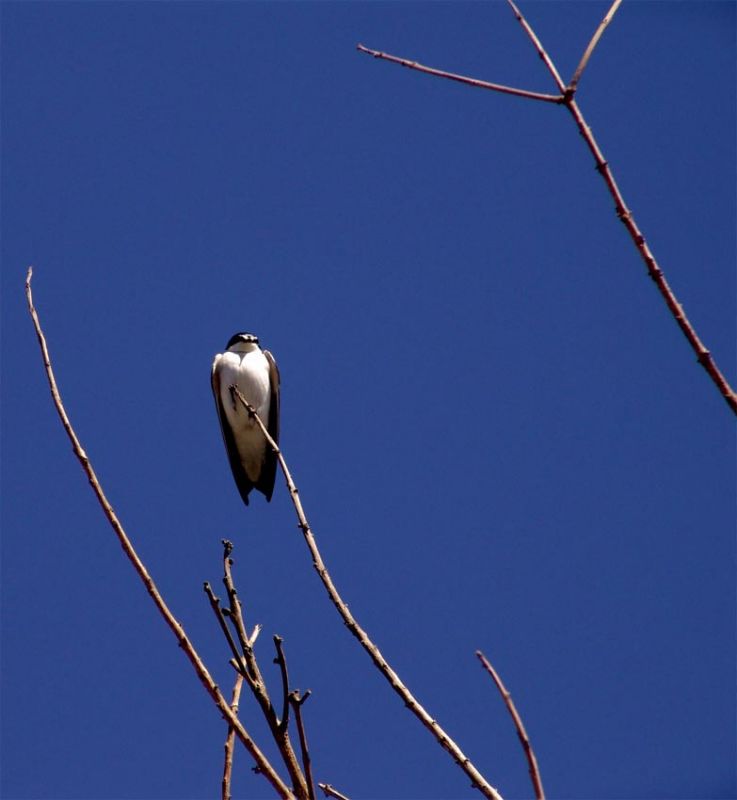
x=255, y=680
x=439, y=73
x=297, y=702
x=381, y=663
x=521, y=732
x=281, y=661
x=540, y=49
x=573, y=85
x=230, y=740
x=263, y=765
x=566, y=98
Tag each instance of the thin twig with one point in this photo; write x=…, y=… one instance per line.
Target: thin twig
x=331, y=791
x=521, y=732
x=703, y=355
x=573, y=85
x=381, y=663
x=263, y=765
x=538, y=46
x=282, y=662
x=215, y=604
x=230, y=739
x=256, y=681
x=235, y=612
x=452, y=76
x=297, y=702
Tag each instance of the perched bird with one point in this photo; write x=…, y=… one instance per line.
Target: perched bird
x=253, y=371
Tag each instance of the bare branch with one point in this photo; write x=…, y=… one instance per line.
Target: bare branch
x=256, y=682
x=263, y=765
x=521, y=732
x=573, y=85
x=381, y=663
x=538, y=46
x=452, y=76
x=230, y=739
x=331, y=791
x=215, y=604
x=235, y=612
x=282, y=662
x=703, y=355
x=297, y=702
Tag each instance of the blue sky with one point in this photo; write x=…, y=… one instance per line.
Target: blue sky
x=500, y=436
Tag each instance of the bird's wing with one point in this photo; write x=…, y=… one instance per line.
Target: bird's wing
x=268, y=472
x=239, y=474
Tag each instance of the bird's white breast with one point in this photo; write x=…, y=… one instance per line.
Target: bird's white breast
x=250, y=373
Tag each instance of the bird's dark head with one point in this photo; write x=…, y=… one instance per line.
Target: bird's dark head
x=242, y=338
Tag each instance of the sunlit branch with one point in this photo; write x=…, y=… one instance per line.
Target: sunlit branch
x=518, y=724
x=452, y=76
x=255, y=679
x=703, y=355
x=381, y=663
x=281, y=661
x=230, y=740
x=237, y=657
x=573, y=85
x=263, y=765
x=538, y=46
x=331, y=791
x=297, y=702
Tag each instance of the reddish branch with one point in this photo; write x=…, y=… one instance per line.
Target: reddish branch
x=573, y=84
x=521, y=732
x=566, y=99
x=540, y=49
x=439, y=73
x=263, y=765
x=477, y=779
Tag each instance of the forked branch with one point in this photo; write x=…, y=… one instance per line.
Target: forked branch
x=477, y=779
x=245, y=661
x=566, y=99
x=263, y=765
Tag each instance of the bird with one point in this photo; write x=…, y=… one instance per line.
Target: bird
x=254, y=372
